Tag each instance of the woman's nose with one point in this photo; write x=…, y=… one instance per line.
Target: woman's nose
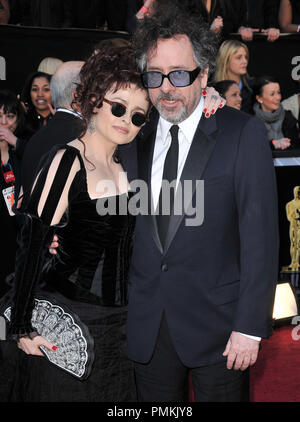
x=3, y=120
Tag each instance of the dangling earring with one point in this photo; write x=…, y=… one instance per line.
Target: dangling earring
x=91, y=126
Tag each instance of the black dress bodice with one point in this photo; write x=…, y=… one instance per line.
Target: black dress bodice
x=94, y=252
x=92, y=262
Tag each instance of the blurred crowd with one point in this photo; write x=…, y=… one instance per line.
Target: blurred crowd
x=23, y=115
x=224, y=16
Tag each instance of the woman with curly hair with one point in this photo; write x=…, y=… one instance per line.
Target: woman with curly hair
x=68, y=312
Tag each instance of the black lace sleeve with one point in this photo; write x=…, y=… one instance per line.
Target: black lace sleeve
x=42, y=211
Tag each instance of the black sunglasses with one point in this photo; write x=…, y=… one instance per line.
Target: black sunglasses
x=118, y=110
x=178, y=78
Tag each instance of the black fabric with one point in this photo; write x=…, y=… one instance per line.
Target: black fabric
x=206, y=278
x=169, y=175
x=165, y=378
x=262, y=14
x=233, y=13
x=97, y=13
x=248, y=98
x=36, y=121
x=93, y=260
x=45, y=13
x=9, y=228
x=295, y=12
x=25, y=378
x=61, y=129
x=290, y=130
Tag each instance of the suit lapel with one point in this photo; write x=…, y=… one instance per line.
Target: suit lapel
x=197, y=159
x=145, y=149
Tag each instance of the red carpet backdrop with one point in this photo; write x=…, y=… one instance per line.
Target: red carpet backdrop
x=276, y=375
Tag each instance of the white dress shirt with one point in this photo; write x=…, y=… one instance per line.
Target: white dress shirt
x=186, y=133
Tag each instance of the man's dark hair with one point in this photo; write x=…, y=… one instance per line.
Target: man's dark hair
x=168, y=22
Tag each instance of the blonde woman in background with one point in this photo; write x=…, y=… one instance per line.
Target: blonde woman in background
x=232, y=62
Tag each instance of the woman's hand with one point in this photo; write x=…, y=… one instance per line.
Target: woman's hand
x=212, y=101
x=217, y=24
x=52, y=110
x=247, y=33
x=31, y=346
x=54, y=245
x=7, y=135
x=273, y=34
x=148, y=5
x=282, y=143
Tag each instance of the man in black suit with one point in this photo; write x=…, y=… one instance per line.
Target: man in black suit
x=200, y=295
x=63, y=128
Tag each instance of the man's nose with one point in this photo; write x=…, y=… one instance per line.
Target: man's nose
x=166, y=86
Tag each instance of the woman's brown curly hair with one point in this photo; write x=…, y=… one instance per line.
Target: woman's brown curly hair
x=108, y=66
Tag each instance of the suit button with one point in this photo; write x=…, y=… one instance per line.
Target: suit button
x=164, y=267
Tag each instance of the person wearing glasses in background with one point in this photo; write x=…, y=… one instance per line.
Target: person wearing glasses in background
x=201, y=293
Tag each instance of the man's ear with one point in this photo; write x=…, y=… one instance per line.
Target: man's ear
x=204, y=77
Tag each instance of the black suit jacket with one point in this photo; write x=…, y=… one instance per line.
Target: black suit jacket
x=217, y=277
x=262, y=14
x=61, y=129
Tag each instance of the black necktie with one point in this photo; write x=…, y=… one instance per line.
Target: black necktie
x=169, y=174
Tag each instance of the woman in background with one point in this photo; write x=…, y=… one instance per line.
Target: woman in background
x=231, y=92
x=280, y=124
x=36, y=96
x=13, y=136
x=289, y=16
x=232, y=62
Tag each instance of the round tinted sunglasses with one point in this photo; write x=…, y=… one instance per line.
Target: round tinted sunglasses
x=119, y=110
x=178, y=78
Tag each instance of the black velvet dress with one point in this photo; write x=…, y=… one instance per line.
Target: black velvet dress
x=86, y=281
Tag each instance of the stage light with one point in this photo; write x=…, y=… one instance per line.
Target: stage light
x=286, y=302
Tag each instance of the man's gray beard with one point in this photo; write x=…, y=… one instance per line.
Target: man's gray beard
x=175, y=119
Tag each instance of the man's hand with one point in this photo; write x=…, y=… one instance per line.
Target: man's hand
x=241, y=351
